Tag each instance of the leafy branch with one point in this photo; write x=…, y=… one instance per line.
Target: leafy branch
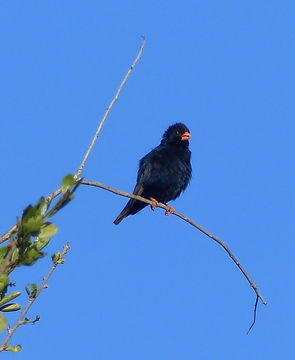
x=33, y=293
x=33, y=232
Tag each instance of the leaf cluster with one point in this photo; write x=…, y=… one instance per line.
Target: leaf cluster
x=32, y=234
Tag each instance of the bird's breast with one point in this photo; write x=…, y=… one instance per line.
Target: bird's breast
x=170, y=176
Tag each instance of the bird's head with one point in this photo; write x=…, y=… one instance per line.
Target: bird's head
x=177, y=134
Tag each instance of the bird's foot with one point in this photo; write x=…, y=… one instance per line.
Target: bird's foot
x=170, y=210
x=154, y=204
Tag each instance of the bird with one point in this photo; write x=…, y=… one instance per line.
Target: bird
x=163, y=173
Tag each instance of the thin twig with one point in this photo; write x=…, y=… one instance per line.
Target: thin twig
x=185, y=218
x=254, y=315
x=7, y=235
x=109, y=108
x=22, y=317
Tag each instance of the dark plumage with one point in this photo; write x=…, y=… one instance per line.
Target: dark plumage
x=164, y=172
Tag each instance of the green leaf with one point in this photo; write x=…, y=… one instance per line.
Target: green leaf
x=3, y=323
x=39, y=209
x=16, y=348
x=4, y=280
x=10, y=307
x=15, y=255
x=31, y=255
x=47, y=231
x=31, y=290
x=9, y=297
x=42, y=242
x=3, y=252
x=32, y=225
x=56, y=257
x=33, y=217
x=42, y=206
x=68, y=182
x=29, y=211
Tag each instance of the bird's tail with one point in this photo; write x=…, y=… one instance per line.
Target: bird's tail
x=121, y=216
x=131, y=208
x=125, y=212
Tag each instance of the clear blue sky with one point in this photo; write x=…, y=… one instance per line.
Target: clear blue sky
x=154, y=287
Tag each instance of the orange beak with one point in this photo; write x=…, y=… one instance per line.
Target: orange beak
x=186, y=136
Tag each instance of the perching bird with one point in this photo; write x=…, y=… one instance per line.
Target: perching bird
x=163, y=173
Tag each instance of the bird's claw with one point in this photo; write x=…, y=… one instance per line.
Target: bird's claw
x=170, y=210
x=154, y=204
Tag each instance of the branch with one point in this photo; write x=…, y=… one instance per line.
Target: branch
x=109, y=108
x=254, y=315
x=7, y=235
x=191, y=222
x=22, y=317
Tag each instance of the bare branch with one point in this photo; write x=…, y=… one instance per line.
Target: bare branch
x=185, y=218
x=7, y=235
x=109, y=108
x=22, y=317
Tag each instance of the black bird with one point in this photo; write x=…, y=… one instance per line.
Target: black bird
x=163, y=173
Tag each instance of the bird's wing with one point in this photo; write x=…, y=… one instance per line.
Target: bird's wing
x=144, y=176
x=147, y=167
x=138, y=190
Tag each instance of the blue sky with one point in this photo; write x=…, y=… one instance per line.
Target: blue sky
x=154, y=287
